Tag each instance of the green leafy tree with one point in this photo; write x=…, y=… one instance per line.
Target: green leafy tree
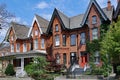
x=37, y=69
x=110, y=45
x=10, y=70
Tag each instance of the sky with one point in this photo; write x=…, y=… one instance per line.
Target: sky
x=24, y=10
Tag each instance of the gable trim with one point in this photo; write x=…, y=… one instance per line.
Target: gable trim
x=35, y=19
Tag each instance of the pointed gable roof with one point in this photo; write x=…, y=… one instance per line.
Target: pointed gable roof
x=117, y=12
x=98, y=8
x=42, y=24
x=64, y=20
x=20, y=30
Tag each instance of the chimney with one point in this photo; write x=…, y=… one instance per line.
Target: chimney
x=118, y=1
x=109, y=5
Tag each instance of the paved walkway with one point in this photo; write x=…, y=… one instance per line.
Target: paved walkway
x=15, y=78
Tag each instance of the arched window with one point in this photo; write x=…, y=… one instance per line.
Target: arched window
x=94, y=19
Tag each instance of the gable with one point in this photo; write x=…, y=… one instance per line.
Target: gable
x=56, y=15
x=42, y=24
x=93, y=2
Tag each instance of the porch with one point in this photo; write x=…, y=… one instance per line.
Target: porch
x=20, y=60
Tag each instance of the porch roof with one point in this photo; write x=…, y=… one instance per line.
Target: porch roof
x=33, y=53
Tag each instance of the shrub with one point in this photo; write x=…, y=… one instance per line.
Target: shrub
x=10, y=70
x=118, y=70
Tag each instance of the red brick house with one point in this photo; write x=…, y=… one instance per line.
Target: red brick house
x=69, y=34
x=26, y=43
x=63, y=38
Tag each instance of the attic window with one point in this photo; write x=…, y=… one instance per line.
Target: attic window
x=11, y=38
x=36, y=32
x=56, y=28
x=94, y=19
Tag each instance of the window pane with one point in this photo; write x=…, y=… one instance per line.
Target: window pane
x=83, y=38
x=24, y=47
x=57, y=40
x=73, y=39
x=57, y=58
x=36, y=32
x=95, y=33
x=64, y=40
x=56, y=27
x=17, y=62
x=94, y=20
x=42, y=43
x=97, y=57
x=64, y=58
x=18, y=47
x=12, y=47
x=36, y=44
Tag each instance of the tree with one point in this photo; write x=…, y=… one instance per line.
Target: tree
x=37, y=69
x=10, y=70
x=5, y=16
x=110, y=45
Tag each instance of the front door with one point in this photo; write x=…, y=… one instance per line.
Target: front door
x=72, y=58
x=83, y=59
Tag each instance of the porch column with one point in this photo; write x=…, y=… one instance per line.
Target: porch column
x=22, y=64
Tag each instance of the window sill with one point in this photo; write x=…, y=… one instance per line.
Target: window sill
x=72, y=45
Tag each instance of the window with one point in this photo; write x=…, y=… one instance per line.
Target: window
x=95, y=33
x=64, y=58
x=36, y=32
x=12, y=47
x=58, y=58
x=24, y=47
x=57, y=40
x=94, y=19
x=42, y=43
x=56, y=28
x=83, y=38
x=17, y=62
x=64, y=40
x=97, y=57
x=73, y=40
x=72, y=57
x=36, y=44
x=11, y=38
x=18, y=47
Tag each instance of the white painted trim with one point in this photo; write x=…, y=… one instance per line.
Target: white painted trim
x=35, y=19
